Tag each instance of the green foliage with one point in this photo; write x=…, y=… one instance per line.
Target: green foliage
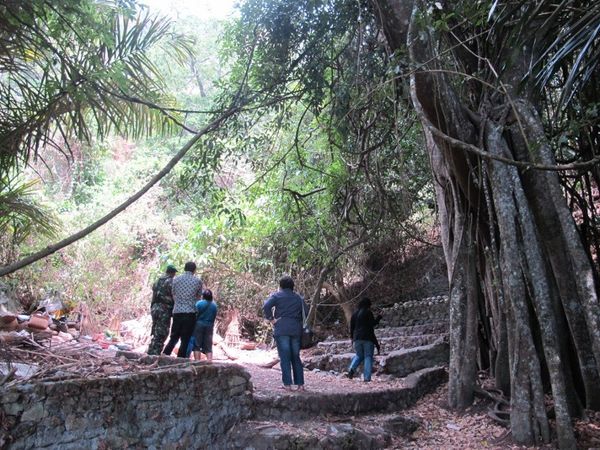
x=568, y=35
x=20, y=210
x=74, y=70
x=323, y=156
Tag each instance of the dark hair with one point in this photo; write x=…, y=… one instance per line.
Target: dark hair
x=286, y=282
x=190, y=266
x=364, y=303
x=207, y=295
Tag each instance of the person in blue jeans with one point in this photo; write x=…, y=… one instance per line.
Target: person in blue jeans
x=362, y=331
x=284, y=310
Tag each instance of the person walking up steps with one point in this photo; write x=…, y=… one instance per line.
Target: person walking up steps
x=362, y=332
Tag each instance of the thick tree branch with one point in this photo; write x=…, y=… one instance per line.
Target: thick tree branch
x=457, y=143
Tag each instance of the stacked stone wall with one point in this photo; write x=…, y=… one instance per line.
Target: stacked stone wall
x=416, y=312
x=169, y=407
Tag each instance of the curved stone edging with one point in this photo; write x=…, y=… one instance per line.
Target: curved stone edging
x=306, y=405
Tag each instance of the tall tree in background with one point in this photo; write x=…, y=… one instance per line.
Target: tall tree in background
x=344, y=178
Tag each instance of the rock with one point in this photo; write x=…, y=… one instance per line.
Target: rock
x=34, y=414
x=401, y=425
x=7, y=298
x=22, y=370
x=65, y=336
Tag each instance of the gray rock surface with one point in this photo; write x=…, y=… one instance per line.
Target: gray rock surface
x=416, y=312
x=388, y=344
x=402, y=362
x=398, y=363
x=183, y=407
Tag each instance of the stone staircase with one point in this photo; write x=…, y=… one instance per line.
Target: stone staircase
x=339, y=420
x=414, y=350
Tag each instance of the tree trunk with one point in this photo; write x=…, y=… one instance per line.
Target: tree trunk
x=341, y=297
x=463, y=292
x=510, y=230
x=527, y=279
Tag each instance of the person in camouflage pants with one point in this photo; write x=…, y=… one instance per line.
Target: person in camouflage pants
x=161, y=310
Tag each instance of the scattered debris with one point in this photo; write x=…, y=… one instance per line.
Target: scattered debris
x=20, y=370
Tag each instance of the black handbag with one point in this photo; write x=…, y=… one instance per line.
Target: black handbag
x=308, y=337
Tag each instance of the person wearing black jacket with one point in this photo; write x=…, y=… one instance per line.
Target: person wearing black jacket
x=362, y=331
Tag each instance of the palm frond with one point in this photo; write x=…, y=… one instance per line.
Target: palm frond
x=21, y=213
x=67, y=69
x=567, y=34
x=577, y=47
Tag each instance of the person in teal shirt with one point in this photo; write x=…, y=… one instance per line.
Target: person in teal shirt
x=206, y=313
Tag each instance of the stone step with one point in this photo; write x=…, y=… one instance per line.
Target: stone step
x=398, y=363
x=413, y=330
x=388, y=344
x=365, y=432
x=402, y=362
x=296, y=406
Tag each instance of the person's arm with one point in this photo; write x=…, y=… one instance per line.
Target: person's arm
x=371, y=320
x=305, y=306
x=199, y=291
x=169, y=289
x=155, y=292
x=377, y=320
x=214, y=312
x=268, y=308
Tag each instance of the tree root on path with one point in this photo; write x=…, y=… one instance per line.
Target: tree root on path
x=226, y=350
x=270, y=364
x=500, y=413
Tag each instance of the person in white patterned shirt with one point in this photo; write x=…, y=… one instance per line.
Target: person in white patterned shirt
x=187, y=290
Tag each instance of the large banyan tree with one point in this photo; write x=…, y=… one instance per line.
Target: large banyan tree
x=507, y=95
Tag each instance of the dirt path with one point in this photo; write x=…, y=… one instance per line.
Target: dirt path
x=441, y=427
x=269, y=380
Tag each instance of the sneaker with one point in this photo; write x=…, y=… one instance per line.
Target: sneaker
x=350, y=374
